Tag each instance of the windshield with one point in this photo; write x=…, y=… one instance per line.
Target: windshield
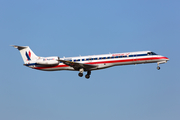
x=151, y=53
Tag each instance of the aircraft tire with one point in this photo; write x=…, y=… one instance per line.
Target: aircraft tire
x=158, y=68
x=80, y=74
x=87, y=76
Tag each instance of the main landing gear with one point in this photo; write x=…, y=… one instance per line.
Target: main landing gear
x=88, y=74
x=81, y=73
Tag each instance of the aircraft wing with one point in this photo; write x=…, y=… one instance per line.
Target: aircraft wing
x=78, y=65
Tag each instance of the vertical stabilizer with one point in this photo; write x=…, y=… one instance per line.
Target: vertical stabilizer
x=26, y=53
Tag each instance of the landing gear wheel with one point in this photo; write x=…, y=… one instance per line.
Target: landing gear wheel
x=80, y=74
x=158, y=68
x=87, y=76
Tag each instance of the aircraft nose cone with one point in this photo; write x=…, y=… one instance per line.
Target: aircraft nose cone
x=167, y=58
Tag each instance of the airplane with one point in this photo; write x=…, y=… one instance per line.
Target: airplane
x=88, y=63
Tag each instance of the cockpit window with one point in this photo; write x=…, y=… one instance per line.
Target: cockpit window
x=151, y=53
x=154, y=53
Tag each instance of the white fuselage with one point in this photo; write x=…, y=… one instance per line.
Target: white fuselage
x=105, y=60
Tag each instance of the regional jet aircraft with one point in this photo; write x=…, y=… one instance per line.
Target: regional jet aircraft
x=88, y=63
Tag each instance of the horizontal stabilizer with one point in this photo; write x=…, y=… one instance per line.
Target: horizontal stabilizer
x=19, y=47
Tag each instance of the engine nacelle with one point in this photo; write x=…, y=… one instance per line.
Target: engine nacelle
x=48, y=61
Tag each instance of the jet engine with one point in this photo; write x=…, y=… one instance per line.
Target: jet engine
x=49, y=61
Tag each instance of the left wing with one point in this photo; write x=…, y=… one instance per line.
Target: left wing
x=78, y=65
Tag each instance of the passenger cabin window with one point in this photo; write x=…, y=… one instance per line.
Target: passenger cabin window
x=130, y=55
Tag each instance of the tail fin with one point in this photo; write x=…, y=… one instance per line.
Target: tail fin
x=26, y=53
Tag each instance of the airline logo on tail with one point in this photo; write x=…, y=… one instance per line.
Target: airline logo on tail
x=28, y=55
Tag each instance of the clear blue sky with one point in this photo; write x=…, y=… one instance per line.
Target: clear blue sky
x=73, y=28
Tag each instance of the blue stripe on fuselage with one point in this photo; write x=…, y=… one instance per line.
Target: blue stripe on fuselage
x=138, y=55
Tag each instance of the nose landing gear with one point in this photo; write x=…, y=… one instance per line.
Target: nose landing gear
x=158, y=66
x=161, y=62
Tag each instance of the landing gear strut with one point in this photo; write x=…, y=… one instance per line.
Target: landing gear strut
x=81, y=72
x=158, y=66
x=161, y=62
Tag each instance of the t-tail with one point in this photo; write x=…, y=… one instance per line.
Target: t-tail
x=26, y=53
x=31, y=60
